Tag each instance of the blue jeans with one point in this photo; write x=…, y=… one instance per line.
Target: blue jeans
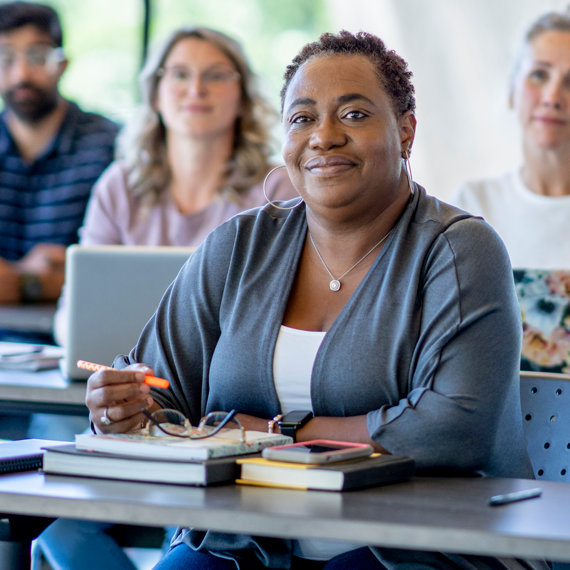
x=182, y=557
x=68, y=543
x=76, y=544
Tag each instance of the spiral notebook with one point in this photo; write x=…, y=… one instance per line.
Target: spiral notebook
x=111, y=293
x=544, y=298
x=23, y=454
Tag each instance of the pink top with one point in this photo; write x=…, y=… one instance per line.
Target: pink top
x=115, y=217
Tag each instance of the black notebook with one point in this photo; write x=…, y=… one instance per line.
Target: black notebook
x=23, y=454
x=68, y=460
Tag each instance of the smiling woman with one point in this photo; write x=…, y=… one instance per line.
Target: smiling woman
x=406, y=352
x=343, y=152
x=530, y=205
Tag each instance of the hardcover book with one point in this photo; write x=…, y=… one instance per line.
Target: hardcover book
x=68, y=460
x=226, y=443
x=378, y=469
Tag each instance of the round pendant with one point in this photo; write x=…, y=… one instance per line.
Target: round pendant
x=334, y=285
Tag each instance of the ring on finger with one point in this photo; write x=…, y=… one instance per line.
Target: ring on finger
x=105, y=418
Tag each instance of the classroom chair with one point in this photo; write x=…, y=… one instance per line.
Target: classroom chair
x=545, y=404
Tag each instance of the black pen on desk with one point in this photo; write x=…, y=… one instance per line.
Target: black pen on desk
x=515, y=496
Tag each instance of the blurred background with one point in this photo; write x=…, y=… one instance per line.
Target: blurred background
x=460, y=52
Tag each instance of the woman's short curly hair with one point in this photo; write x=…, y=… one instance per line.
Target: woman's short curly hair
x=392, y=70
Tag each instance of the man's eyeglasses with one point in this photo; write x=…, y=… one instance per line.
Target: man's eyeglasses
x=179, y=77
x=40, y=57
x=174, y=423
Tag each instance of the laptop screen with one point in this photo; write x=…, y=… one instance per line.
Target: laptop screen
x=111, y=293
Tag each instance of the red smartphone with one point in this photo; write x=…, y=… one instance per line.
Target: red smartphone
x=317, y=451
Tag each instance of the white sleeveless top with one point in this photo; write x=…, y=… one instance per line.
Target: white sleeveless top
x=293, y=360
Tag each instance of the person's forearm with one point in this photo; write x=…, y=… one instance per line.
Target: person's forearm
x=340, y=429
x=9, y=283
x=51, y=285
x=37, y=287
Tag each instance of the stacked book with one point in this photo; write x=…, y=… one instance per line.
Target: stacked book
x=223, y=458
x=376, y=469
x=29, y=357
x=158, y=459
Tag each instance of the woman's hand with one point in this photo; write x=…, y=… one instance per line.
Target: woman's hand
x=115, y=398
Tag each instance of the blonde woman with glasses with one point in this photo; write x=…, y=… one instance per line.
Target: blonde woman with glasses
x=196, y=151
x=194, y=154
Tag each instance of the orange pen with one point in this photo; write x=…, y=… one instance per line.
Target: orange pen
x=150, y=380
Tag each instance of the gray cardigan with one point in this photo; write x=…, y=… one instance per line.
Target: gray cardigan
x=428, y=346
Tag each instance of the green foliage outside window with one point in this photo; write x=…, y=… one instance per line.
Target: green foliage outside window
x=103, y=41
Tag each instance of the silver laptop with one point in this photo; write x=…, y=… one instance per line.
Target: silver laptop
x=111, y=292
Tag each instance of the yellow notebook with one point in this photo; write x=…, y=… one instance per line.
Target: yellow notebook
x=377, y=469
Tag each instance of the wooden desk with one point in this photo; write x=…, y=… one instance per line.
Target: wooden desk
x=441, y=514
x=41, y=392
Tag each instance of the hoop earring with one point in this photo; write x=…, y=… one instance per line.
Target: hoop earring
x=408, y=171
x=265, y=191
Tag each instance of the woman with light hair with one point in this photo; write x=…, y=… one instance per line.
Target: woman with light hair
x=194, y=154
x=529, y=206
x=201, y=132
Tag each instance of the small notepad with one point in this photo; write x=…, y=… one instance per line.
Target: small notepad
x=23, y=454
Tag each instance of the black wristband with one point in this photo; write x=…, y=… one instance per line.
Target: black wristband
x=292, y=421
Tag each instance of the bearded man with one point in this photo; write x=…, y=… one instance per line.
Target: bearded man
x=51, y=153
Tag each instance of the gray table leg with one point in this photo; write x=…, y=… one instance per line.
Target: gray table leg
x=16, y=535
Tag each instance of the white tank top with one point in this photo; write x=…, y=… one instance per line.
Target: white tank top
x=293, y=360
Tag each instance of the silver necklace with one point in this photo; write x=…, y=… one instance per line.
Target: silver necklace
x=335, y=284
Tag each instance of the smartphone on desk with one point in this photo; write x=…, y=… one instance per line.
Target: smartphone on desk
x=317, y=451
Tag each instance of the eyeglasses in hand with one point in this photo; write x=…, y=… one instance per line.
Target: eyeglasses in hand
x=174, y=423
